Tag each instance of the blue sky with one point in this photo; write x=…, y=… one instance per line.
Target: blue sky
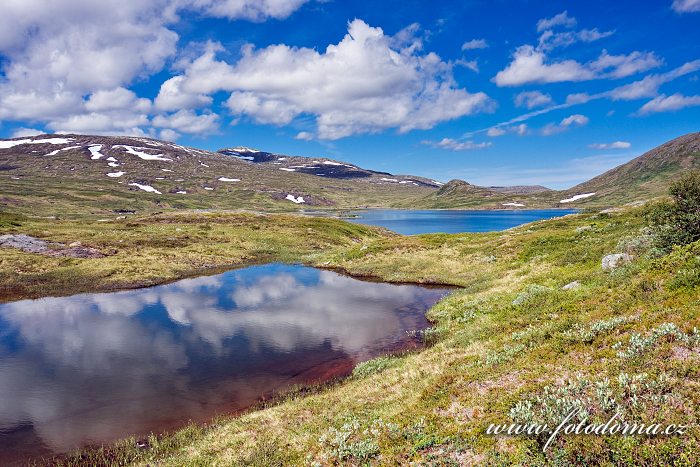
x=492, y=92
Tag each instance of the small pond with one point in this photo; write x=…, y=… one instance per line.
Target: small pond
x=92, y=368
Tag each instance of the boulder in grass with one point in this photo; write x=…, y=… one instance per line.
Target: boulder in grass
x=616, y=260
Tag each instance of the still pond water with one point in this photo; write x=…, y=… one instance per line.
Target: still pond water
x=413, y=222
x=91, y=368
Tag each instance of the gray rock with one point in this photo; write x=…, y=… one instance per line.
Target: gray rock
x=31, y=244
x=23, y=242
x=616, y=260
x=572, y=285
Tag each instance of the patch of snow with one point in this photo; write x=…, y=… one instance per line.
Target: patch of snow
x=405, y=181
x=577, y=197
x=181, y=192
x=388, y=179
x=6, y=144
x=95, y=151
x=145, y=156
x=282, y=159
x=147, y=188
x=436, y=182
x=113, y=164
x=295, y=200
x=512, y=204
x=288, y=170
x=160, y=178
x=115, y=174
x=15, y=178
x=224, y=179
x=53, y=153
x=208, y=188
x=243, y=149
x=248, y=158
x=166, y=170
x=203, y=164
x=111, y=159
x=331, y=163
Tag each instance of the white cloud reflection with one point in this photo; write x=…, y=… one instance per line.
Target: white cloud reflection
x=93, y=367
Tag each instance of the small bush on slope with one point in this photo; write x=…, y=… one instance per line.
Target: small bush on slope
x=677, y=222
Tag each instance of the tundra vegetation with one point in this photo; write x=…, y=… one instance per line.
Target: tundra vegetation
x=509, y=345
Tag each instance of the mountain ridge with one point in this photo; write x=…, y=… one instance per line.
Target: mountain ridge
x=123, y=172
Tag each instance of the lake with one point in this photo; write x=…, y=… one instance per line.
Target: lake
x=92, y=368
x=413, y=222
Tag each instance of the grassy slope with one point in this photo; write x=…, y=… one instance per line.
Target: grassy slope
x=433, y=406
x=152, y=249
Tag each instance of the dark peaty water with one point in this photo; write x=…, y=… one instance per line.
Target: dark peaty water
x=93, y=368
x=413, y=222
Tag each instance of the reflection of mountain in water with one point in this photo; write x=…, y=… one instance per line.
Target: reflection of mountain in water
x=91, y=368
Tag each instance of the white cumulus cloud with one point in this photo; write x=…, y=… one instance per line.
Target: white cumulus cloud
x=55, y=53
x=366, y=83
x=187, y=121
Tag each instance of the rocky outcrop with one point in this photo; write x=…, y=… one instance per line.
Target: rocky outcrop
x=30, y=244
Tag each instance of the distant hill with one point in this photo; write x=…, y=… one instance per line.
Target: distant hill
x=323, y=167
x=51, y=174
x=644, y=177
x=458, y=193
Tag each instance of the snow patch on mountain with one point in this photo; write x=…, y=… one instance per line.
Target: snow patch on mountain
x=53, y=153
x=147, y=188
x=6, y=144
x=138, y=152
x=115, y=174
x=577, y=197
x=95, y=151
x=224, y=179
x=294, y=199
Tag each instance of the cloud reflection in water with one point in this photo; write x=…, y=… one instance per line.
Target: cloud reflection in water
x=95, y=367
